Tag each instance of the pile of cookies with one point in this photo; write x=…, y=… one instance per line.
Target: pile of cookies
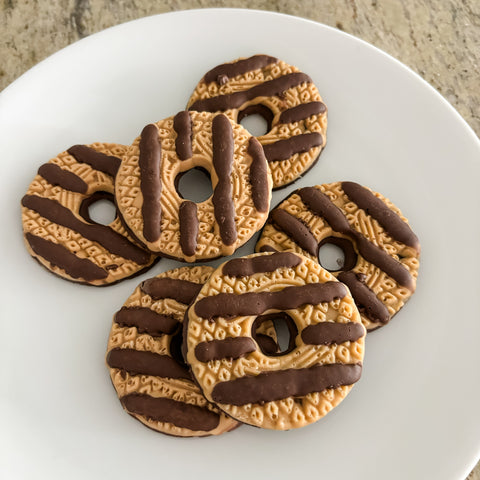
x=194, y=351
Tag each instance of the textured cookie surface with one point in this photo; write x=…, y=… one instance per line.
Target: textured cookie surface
x=381, y=251
x=156, y=213
x=285, y=97
x=146, y=368
x=291, y=388
x=57, y=227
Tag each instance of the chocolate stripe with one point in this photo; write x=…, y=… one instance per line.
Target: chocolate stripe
x=302, y=112
x=146, y=321
x=60, y=257
x=295, y=229
x=321, y=205
x=224, y=210
x=237, y=99
x=277, y=385
x=258, y=176
x=232, y=347
x=365, y=299
x=180, y=414
x=182, y=291
x=284, y=149
x=383, y=261
x=255, y=303
x=182, y=124
x=138, y=362
x=222, y=73
x=150, y=182
x=187, y=216
x=243, y=267
x=99, y=161
x=102, y=234
x=388, y=219
x=55, y=175
x=326, y=333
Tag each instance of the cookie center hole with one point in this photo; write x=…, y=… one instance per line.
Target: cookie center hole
x=331, y=257
x=257, y=119
x=194, y=185
x=176, y=348
x=99, y=208
x=255, y=124
x=283, y=334
x=279, y=325
x=337, y=253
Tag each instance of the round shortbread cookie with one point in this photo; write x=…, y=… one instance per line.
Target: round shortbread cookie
x=288, y=389
x=144, y=359
x=381, y=251
x=57, y=227
x=155, y=212
x=286, y=98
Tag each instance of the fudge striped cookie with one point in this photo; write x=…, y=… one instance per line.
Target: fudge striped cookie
x=57, y=227
x=285, y=97
x=155, y=211
x=145, y=363
x=381, y=252
x=290, y=388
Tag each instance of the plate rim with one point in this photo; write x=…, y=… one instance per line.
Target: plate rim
x=17, y=83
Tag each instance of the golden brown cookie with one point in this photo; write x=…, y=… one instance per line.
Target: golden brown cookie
x=57, y=227
x=381, y=251
x=146, y=367
x=288, y=389
x=285, y=97
x=155, y=212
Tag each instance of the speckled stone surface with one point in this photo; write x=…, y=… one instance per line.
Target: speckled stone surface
x=439, y=39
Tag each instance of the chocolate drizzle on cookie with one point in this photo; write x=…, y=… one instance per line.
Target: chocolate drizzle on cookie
x=365, y=299
x=149, y=161
x=231, y=347
x=146, y=321
x=295, y=229
x=259, y=176
x=58, y=256
x=284, y=149
x=223, y=148
x=102, y=234
x=182, y=291
x=302, y=112
x=188, y=220
x=222, y=73
x=388, y=219
x=166, y=410
x=182, y=124
x=280, y=384
x=321, y=205
x=97, y=160
x=57, y=176
x=358, y=248
x=231, y=305
x=145, y=342
x=243, y=267
x=270, y=88
x=138, y=362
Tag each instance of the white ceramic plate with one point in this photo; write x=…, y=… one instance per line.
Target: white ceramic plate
x=413, y=415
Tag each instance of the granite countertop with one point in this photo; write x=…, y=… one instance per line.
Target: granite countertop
x=438, y=39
